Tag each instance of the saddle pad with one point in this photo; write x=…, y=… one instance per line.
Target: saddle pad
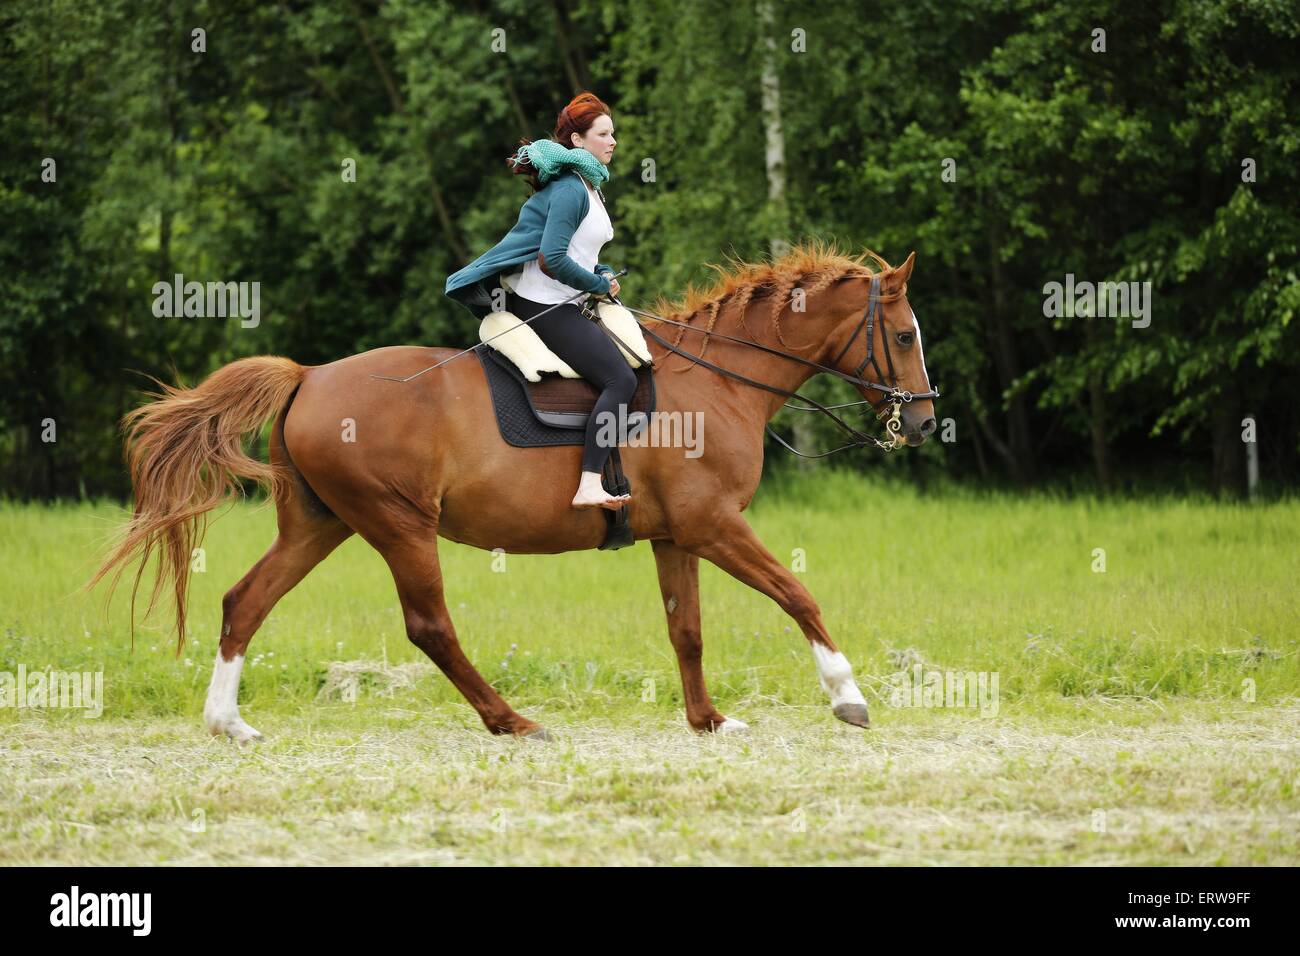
x=514, y=403
x=525, y=348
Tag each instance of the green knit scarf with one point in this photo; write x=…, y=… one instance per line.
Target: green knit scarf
x=550, y=159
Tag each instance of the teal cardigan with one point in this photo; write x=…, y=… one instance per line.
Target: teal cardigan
x=546, y=223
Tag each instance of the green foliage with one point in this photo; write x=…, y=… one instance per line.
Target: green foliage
x=1123, y=165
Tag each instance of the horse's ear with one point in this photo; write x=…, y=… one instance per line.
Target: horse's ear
x=896, y=278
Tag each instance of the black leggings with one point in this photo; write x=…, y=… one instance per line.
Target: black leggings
x=589, y=352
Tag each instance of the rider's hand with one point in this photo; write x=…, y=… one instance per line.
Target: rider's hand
x=613, y=285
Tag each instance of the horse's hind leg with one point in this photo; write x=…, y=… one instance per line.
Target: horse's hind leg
x=307, y=535
x=413, y=560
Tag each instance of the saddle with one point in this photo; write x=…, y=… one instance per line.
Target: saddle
x=538, y=404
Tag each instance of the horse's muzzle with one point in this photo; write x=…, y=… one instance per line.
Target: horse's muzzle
x=917, y=435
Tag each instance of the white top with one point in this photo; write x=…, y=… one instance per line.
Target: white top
x=584, y=248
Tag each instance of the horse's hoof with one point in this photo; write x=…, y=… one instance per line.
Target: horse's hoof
x=537, y=735
x=855, y=714
x=238, y=731
x=731, y=725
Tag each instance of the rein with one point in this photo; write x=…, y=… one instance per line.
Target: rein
x=894, y=396
x=859, y=438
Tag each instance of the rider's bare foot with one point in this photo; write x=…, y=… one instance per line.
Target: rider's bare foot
x=592, y=494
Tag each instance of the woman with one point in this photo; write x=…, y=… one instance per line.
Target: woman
x=550, y=256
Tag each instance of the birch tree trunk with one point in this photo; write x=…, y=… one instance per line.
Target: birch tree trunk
x=774, y=157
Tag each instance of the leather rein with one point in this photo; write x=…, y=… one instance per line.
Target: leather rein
x=893, y=396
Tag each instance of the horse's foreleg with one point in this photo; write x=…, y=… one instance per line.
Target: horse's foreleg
x=679, y=581
x=735, y=548
x=300, y=546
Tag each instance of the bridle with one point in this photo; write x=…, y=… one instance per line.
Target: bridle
x=869, y=323
x=892, y=395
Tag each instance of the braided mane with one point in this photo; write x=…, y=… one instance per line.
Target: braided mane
x=811, y=266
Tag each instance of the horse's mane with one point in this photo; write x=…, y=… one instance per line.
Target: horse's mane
x=811, y=265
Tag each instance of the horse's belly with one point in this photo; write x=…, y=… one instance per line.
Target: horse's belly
x=521, y=529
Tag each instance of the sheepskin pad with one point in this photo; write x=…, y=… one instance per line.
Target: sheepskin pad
x=530, y=354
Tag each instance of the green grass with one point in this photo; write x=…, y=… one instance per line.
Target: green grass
x=1163, y=691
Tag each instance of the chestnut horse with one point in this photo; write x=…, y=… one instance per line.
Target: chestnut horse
x=402, y=464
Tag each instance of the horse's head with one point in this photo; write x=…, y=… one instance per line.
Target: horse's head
x=876, y=337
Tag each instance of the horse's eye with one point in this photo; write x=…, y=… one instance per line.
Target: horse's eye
x=904, y=338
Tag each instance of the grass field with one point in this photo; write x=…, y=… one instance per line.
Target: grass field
x=1145, y=714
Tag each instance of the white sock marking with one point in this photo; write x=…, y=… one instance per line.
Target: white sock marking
x=221, y=710
x=836, y=676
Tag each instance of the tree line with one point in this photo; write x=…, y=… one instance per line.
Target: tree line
x=347, y=156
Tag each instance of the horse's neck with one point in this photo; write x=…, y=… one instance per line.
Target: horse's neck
x=752, y=363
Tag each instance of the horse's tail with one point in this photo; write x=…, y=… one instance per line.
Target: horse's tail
x=186, y=452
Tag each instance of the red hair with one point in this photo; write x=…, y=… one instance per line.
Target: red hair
x=577, y=117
